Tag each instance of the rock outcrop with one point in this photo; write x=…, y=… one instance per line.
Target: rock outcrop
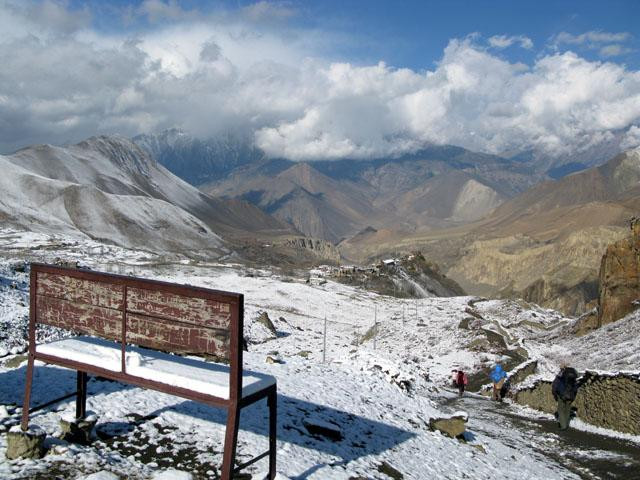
x=453, y=426
x=322, y=249
x=556, y=293
x=620, y=277
x=619, y=283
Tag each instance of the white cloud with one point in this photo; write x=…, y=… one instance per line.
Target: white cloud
x=269, y=11
x=631, y=139
x=158, y=10
x=592, y=37
x=503, y=41
x=562, y=104
x=613, y=50
x=607, y=44
x=215, y=74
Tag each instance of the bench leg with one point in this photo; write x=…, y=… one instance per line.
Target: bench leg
x=230, y=443
x=273, y=410
x=81, y=395
x=27, y=395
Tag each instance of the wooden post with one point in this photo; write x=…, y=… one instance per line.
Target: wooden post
x=375, y=325
x=272, y=400
x=324, y=348
x=81, y=395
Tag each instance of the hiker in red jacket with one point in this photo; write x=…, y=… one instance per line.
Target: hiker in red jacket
x=461, y=381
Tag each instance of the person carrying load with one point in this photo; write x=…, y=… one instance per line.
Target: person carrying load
x=498, y=377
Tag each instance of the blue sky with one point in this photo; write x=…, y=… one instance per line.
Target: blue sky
x=413, y=34
x=312, y=80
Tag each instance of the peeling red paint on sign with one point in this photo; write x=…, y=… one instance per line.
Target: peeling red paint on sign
x=165, y=317
x=175, y=337
x=197, y=311
x=78, y=290
x=87, y=319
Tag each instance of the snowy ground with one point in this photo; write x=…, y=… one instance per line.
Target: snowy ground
x=380, y=379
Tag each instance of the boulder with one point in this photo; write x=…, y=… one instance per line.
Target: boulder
x=324, y=429
x=260, y=329
x=453, y=426
x=29, y=444
x=274, y=359
x=266, y=321
x=390, y=471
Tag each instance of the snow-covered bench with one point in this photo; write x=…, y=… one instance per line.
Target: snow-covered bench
x=130, y=330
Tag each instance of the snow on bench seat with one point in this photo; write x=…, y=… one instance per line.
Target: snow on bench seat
x=190, y=373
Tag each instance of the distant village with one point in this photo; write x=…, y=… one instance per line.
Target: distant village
x=356, y=270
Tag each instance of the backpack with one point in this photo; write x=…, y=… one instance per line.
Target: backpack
x=569, y=377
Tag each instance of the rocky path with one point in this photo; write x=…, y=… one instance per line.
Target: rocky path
x=589, y=455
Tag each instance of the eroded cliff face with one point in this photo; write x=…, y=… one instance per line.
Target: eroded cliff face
x=321, y=249
x=561, y=274
x=619, y=283
x=569, y=297
x=619, y=278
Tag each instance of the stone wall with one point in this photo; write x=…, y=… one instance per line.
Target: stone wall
x=523, y=371
x=538, y=397
x=608, y=401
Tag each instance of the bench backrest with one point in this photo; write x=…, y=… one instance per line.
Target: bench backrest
x=152, y=314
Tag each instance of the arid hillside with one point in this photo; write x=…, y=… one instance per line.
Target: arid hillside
x=544, y=245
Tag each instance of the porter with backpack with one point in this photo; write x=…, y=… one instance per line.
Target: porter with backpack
x=564, y=390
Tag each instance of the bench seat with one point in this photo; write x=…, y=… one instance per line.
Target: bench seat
x=190, y=373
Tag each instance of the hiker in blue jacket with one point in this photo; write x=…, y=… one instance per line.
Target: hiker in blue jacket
x=564, y=389
x=498, y=377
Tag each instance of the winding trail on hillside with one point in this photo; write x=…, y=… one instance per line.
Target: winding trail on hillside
x=587, y=454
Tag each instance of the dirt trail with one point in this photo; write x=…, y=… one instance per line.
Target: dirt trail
x=589, y=455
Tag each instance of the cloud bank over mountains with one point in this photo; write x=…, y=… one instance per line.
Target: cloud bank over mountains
x=62, y=79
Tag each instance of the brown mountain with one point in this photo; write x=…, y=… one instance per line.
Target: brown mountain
x=544, y=245
x=313, y=203
x=440, y=187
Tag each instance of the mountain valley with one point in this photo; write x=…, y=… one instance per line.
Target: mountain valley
x=496, y=226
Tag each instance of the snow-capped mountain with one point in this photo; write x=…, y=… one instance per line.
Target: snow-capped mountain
x=108, y=188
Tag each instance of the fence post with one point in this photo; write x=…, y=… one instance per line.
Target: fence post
x=375, y=325
x=324, y=348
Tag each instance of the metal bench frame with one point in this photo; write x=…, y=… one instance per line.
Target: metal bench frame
x=233, y=404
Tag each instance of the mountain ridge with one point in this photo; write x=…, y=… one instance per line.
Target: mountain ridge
x=53, y=186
